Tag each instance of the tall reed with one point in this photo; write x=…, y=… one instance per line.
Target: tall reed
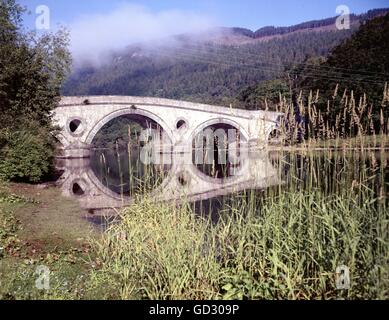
x=284, y=242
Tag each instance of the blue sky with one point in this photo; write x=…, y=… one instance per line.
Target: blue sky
x=251, y=14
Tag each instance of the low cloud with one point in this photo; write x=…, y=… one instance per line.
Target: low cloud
x=93, y=37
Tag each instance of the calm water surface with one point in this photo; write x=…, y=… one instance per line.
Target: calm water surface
x=113, y=178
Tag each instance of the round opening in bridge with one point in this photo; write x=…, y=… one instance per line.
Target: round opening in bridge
x=74, y=125
x=77, y=190
x=217, y=150
x=181, y=124
x=131, y=155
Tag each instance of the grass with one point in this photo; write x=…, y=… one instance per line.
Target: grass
x=369, y=142
x=281, y=245
x=39, y=227
x=344, y=118
x=285, y=243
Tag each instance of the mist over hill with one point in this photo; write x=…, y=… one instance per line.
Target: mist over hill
x=213, y=66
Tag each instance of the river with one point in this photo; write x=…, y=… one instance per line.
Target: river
x=111, y=179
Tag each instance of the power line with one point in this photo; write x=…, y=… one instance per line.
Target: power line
x=192, y=57
x=315, y=69
x=318, y=74
x=225, y=48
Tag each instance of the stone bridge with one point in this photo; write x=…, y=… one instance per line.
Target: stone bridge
x=80, y=118
x=183, y=182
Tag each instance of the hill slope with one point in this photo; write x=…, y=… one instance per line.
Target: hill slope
x=211, y=69
x=360, y=65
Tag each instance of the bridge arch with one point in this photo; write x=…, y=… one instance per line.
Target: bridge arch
x=222, y=121
x=128, y=111
x=82, y=117
x=90, y=182
x=194, y=170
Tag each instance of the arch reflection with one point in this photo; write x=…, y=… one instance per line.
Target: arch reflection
x=179, y=181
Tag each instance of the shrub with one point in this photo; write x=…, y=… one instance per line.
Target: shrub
x=26, y=155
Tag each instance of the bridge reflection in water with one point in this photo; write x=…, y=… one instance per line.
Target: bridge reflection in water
x=180, y=181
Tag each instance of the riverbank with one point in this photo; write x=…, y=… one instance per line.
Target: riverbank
x=358, y=143
x=282, y=242
x=39, y=228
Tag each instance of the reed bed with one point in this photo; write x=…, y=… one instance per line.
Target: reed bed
x=344, y=120
x=284, y=242
x=281, y=243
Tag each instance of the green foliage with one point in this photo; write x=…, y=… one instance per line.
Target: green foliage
x=67, y=275
x=283, y=243
x=359, y=65
x=22, y=253
x=116, y=131
x=31, y=72
x=271, y=31
x=160, y=247
x=265, y=95
x=9, y=225
x=289, y=249
x=13, y=198
x=210, y=72
x=200, y=72
x=26, y=155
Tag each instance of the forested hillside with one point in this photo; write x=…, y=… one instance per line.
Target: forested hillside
x=354, y=19
x=209, y=71
x=360, y=64
x=358, y=68
x=202, y=72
